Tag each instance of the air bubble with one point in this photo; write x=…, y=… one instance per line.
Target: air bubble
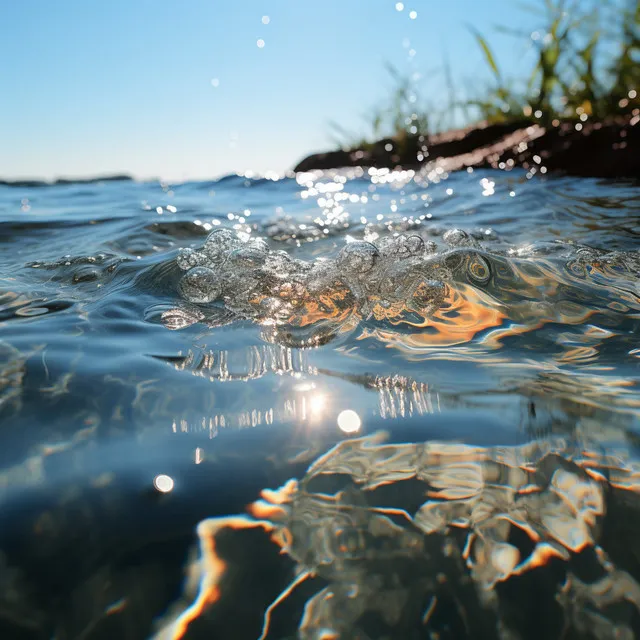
x=218, y=245
x=200, y=285
x=430, y=247
x=402, y=246
x=259, y=244
x=278, y=263
x=458, y=238
x=188, y=258
x=358, y=257
x=479, y=270
x=247, y=257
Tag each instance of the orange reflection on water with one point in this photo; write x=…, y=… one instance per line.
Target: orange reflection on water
x=541, y=555
x=541, y=488
x=470, y=318
x=283, y=495
x=262, y=509
x=213, y=567
x=465, y=312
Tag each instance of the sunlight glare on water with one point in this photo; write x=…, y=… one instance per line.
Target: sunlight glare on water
x=349, y=421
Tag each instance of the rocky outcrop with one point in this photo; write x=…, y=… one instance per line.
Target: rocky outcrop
x=608, y=149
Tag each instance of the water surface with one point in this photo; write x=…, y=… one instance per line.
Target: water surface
x=488, y=309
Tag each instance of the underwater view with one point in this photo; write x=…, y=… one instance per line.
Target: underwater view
x=320, y=321
x=350, y=404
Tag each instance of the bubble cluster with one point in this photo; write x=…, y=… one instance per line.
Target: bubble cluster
x=588, y=261
x=368, y=278
x=451, y=283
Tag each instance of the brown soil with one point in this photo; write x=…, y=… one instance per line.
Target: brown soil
x=607, y=149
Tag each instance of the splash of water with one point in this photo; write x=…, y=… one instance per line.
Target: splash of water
x=444, y=294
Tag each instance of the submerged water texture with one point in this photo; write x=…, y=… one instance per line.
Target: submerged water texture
x=486, y=309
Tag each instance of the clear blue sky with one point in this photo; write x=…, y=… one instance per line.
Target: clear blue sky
x=90, y=87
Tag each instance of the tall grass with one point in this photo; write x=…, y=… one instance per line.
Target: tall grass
x=587, y=64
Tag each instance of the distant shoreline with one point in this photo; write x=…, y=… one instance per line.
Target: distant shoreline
x=65, y=181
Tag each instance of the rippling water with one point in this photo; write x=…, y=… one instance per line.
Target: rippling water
x=171, y=354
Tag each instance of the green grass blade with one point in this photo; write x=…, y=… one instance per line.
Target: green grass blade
x=487, y=53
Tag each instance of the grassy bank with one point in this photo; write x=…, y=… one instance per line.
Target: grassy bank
x=587, y=67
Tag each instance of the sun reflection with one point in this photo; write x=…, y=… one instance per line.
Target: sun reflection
x=163, y=483
x=349, y=421
x=317, y=403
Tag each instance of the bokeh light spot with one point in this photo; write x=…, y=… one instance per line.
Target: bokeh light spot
x=163, y=483
x=349, y=421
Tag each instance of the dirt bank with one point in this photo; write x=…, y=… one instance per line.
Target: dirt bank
x=607, y=149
